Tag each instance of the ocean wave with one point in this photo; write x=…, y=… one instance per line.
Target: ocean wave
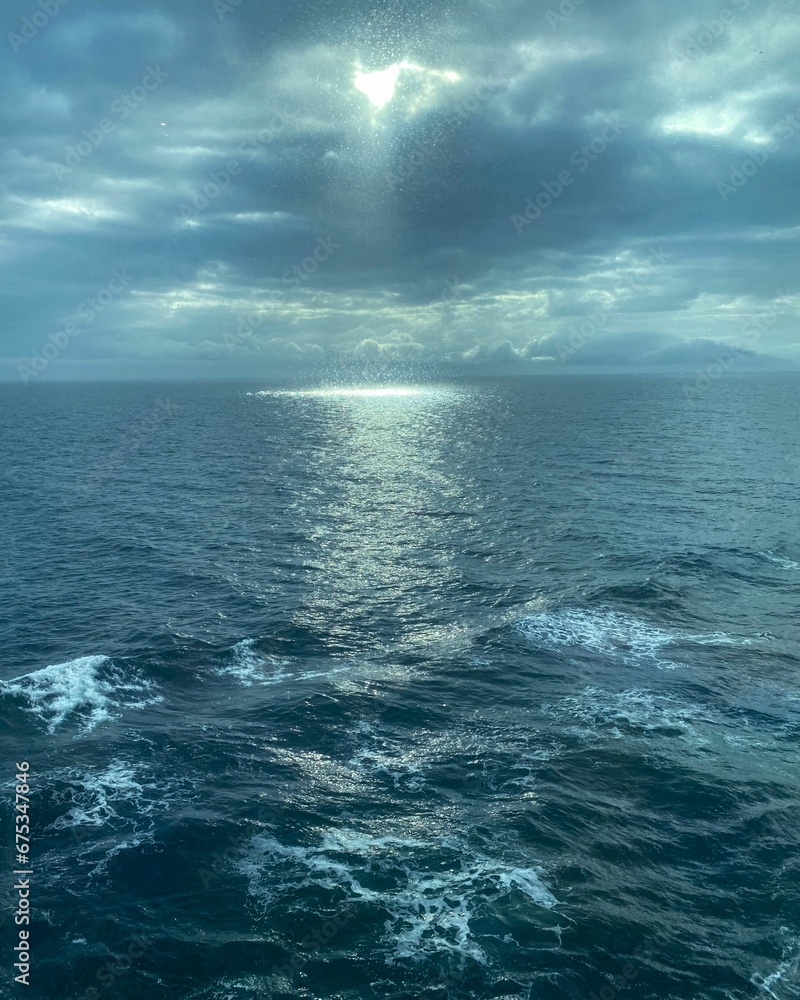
x=232, y=988
x=92, y=688
x=95, y=796
x=636, y=712
x=612, y=633
x=784, y=982
x=383, y=756
x=120, y=792
x=778, y=560
x=432, y=892
x=101, y=814
x=249, y=667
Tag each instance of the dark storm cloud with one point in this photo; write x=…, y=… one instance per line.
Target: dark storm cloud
x=518, y=173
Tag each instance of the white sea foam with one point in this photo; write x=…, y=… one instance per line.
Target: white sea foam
x=114, y=809
x=781, y=561
x=230, y=988
x=620, y=714
x=91, y=687
x=250, y=667
x=613, y=634
x=784, y=982
x=122, y=791
x=96, y=795
x=383, y=756
x=433, y=891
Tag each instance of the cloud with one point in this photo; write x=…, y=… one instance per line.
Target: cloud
x=210, y=150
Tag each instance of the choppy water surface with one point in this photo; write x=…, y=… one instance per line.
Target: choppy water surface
x=488, y=689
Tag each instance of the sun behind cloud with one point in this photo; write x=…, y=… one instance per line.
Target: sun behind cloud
x=380, y=85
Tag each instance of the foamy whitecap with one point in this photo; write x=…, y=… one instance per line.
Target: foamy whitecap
x=95, y=796
x=434, y=891
x=250, y=667
x=782, y=984
x=231, y=988
x=90, y=687
x=385, y=757
x=634, y=712
x=781, y=561
x=123, y=790
x=612, y=633
x=113, y=809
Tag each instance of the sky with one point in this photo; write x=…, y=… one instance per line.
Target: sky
x=234, y=188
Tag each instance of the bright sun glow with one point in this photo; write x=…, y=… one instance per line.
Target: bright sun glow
x=380, y=85
x=363, y=393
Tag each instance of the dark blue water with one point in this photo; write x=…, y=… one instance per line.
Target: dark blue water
x=486, y=689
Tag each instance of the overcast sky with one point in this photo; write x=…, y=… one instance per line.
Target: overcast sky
x=201, y=187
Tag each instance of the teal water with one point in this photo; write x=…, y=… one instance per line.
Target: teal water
x=481, y=689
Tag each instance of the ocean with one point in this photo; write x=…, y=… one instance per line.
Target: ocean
x=486, y=688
